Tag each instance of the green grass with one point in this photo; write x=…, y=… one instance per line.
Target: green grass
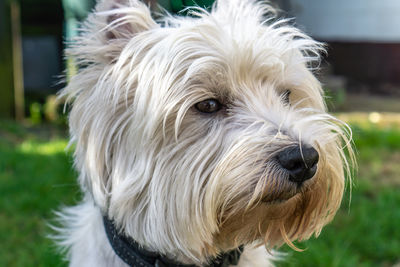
x=36, y=178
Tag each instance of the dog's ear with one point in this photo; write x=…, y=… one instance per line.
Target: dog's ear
x=109, y=28
x=125, y=18
x=93, y=120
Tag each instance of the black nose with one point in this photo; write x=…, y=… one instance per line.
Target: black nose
x=301, y=163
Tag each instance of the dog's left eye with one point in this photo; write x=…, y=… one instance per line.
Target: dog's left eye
x=285, y=96
x=208, y=106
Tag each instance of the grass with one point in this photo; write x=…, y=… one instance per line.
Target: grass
x=36, y=178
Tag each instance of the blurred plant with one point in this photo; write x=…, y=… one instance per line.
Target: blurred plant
x=50, y=108
x=335, y=98
x=35, y=113
x=72, y=69
x=51, y=111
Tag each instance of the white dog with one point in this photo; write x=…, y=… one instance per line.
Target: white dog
x=200, y=140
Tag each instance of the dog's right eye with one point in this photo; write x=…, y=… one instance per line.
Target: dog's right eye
x=208, y=106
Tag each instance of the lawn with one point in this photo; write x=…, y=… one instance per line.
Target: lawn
x=36, y=178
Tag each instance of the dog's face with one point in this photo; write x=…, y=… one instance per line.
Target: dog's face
x=207, y=133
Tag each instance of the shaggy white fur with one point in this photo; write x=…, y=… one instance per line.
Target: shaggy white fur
x=185, y=183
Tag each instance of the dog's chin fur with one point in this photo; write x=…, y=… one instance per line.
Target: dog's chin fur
x=183, y=183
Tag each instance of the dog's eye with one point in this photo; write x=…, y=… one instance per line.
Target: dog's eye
x=208, y=106
x=285, y=96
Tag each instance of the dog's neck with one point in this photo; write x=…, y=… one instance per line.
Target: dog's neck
x=134, y=255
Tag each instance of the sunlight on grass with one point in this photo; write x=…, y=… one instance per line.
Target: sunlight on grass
x=39, y=148
x=371, y=120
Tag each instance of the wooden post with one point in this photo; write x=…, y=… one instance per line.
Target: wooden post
x=6, y=76
x=17, y=61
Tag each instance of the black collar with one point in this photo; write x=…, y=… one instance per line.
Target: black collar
x=133, y=255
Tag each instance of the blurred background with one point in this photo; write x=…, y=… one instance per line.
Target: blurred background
x=360, y=75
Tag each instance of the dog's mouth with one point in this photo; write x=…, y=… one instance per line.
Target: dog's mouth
x=280, y=199
x=287, y=194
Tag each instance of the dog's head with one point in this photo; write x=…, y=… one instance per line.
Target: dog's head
x=206, y=133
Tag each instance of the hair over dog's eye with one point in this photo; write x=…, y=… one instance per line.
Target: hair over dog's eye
x=285, y=96
x=208, y=106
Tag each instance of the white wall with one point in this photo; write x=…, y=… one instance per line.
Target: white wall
x=349, y=20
